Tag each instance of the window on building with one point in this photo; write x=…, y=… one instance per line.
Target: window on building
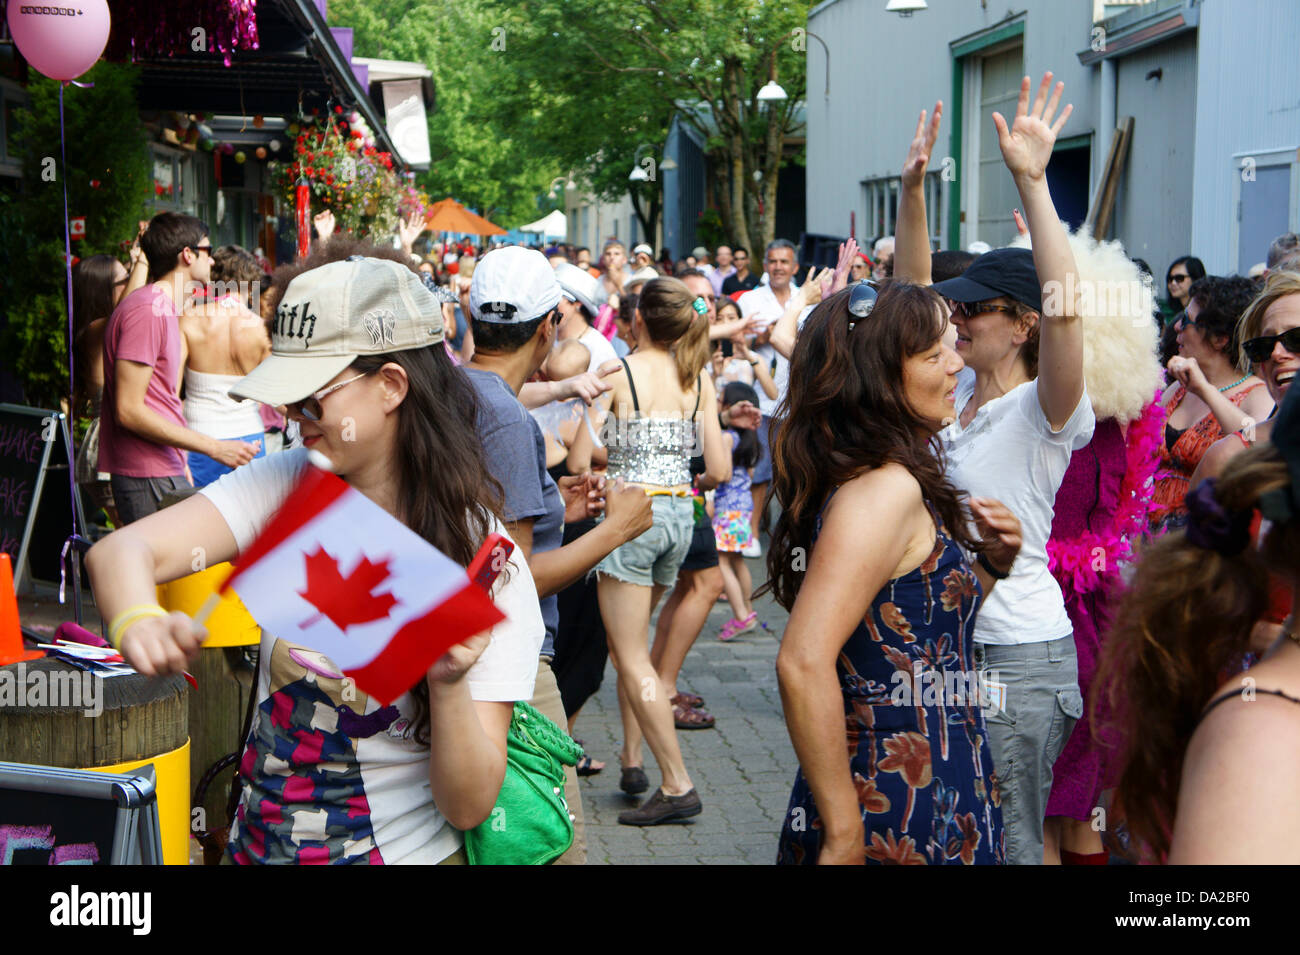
x=880, y=197
x=12, y=99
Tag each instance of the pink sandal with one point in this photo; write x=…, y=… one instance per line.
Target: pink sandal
x=734, y=628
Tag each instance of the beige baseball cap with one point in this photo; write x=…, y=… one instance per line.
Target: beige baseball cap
x=331, y=315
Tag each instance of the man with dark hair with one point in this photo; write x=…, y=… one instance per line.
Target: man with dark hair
x=950, y=263
x=143, y=437
x=514, y=303
x=742, y=280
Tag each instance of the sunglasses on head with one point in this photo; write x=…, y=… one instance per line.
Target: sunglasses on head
x=861, y=301
x=1259, y=349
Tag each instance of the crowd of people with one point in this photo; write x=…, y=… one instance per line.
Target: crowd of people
x=1033, y=559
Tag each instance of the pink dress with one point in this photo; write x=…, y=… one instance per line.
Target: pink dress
x=1101, y=510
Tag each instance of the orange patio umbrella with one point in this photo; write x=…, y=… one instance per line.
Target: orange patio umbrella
x=450, y=216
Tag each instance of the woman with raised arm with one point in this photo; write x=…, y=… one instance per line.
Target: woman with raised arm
x=1020, y=419
x=328, y=775
x=877, y=655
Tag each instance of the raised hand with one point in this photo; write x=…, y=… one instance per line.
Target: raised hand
x=324, y=222
x=1027, y=144
x=848, y=252
x=918, y=153
x=743, y=414
x=408, y=230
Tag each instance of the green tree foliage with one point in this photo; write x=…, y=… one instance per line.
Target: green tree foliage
x=108, y=178
x=477, y=157
x=595, y=83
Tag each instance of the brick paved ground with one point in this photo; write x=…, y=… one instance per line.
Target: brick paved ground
x=742, y=769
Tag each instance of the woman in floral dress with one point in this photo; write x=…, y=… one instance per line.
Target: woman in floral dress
x=876, y=668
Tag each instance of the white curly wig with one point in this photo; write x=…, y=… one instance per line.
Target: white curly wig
x=1121, y=364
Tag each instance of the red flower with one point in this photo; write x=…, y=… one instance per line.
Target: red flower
x=356, y=134
x=339, y=110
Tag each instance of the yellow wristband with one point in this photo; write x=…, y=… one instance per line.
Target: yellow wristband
x=129, y=616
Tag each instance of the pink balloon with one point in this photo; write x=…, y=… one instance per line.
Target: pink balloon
x=60, y=38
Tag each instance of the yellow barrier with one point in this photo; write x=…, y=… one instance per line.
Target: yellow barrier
x=230, y=625
x=172, y=778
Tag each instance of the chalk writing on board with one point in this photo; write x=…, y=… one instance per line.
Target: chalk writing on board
x=19, y=443
x=15, y=494
x=19, y=838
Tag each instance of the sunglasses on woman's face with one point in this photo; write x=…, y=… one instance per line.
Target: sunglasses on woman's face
x=310, y=407
x=971, y=309
x=1259, y=349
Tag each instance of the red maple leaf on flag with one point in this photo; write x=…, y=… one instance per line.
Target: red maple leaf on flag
x=345, y=600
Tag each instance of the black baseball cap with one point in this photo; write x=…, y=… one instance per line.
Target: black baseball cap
x=1008, y=272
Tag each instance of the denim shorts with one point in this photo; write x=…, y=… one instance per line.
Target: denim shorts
x=655, y=556
x=1038, y=684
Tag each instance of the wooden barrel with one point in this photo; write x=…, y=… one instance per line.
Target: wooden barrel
x=53, y=714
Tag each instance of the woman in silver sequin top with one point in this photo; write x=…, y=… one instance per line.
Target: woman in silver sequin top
x=663, y=411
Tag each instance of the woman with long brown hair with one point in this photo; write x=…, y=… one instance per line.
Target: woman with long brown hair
x=878, y=653
x=329, y=776
x=1205, y=777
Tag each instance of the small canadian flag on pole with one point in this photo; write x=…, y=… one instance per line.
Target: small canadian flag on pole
x=335, y=572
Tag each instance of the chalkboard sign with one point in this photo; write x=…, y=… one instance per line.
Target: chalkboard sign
x=34, y=457
x=51, y=816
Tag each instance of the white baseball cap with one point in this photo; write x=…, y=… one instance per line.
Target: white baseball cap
x=329, y=316
x=579, y=285
x=644, y=248
x=512, y=285
x=641, y=275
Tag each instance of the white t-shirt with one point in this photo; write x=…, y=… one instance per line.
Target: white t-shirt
x=762, y=303
x=1010, y=452
x=599, y=346
x=329, y=775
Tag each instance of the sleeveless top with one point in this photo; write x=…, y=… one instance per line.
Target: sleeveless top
x=1179, y=460
x=651, y=450
x=1231, y=693
x=210, y=410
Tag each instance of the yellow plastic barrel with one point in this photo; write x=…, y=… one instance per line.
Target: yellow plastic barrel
x=172, y=779
x=230, y=625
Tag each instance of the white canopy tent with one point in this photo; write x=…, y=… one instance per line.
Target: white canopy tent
x=555, y=225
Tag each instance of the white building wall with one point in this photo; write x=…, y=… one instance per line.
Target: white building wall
x=885, y=69
x=1248, y=105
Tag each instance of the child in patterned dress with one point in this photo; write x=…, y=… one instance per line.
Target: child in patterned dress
x=733, y=509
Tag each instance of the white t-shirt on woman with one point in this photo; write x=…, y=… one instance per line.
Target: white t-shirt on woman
x=1010, y=452
x=329, y=775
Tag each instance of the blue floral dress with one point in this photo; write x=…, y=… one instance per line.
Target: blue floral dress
x=914, y=729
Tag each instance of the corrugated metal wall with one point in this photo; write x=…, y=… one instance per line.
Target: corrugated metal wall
x=1153, y=209
x=886, y=68
x=1248, y=99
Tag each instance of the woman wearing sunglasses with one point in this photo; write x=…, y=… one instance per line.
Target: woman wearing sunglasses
x=1269, y=332
x=1019, y=421
x=1211, y=394
x=328, y=775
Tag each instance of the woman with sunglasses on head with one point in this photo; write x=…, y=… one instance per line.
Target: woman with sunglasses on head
x=328, y=775
x=877, y=651
x=1020, y=418
x=1211, y=395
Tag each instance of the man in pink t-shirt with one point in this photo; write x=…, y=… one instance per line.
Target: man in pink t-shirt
x=142, y=436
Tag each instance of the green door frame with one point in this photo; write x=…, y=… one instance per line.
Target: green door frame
x=959, y=50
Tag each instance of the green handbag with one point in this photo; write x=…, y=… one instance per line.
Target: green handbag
x=530, y=823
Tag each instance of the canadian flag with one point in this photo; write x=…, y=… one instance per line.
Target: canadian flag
x=335, y=572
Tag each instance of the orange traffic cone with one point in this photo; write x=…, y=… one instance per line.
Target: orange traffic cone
x=11, y=637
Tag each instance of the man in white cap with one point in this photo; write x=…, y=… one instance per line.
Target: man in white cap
x=643, y=257
x=580, y=300
x=514, y=301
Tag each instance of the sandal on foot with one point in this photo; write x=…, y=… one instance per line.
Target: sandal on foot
x=688, y=699
x=586, y=766
x=734, y=628
x=634, y=781
x=689, y=718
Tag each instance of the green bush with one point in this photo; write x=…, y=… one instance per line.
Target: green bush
x=109, y=179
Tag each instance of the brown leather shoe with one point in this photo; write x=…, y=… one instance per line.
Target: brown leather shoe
x=660, y=808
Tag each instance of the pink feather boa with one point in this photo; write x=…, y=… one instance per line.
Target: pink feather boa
x=1092, y=561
